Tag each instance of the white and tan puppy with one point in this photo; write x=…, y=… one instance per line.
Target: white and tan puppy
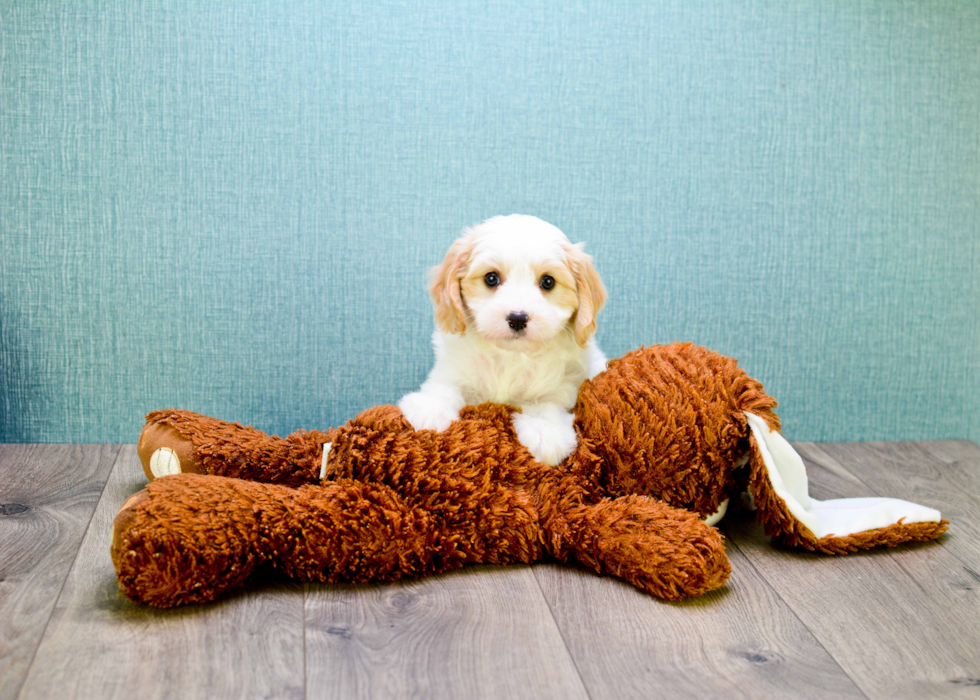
x=515, y=306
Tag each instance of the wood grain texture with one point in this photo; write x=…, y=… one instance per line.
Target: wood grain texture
x=901, y=622
x=887, y=623
x=47, y=496
x=943, y=475
x=482, y=632
x=737, y=641
x=100, y=645
x=952, y=451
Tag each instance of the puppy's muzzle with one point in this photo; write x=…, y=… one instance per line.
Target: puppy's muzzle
x=517, y=320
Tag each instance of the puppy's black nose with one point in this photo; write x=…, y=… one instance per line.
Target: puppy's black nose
x=517, y=320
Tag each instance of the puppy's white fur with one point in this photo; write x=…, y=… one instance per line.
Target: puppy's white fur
x=481, y=356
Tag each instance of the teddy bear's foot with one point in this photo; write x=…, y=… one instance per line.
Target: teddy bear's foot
x=663, y=550
x=164, y=451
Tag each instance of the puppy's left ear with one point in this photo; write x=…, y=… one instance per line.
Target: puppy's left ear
x=591, y=292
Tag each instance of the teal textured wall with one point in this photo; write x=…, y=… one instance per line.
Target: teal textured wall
x=230, y=207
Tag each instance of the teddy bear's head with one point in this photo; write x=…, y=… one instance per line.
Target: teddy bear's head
x=668, y=422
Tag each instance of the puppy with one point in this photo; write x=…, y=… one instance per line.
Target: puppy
x=515, y=307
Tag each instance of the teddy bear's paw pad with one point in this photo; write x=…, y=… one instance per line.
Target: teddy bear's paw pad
x=164, y=462
x=716, y=517
x=163, y=450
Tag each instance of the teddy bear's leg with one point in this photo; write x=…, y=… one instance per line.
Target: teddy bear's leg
x=182, y=442
x=663, y=550
x=188, y=538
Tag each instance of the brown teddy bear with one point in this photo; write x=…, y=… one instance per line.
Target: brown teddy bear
x=666, y=435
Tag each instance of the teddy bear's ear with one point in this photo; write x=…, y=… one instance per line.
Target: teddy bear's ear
x=591, y=291
x=780, y=494
x=444, y=286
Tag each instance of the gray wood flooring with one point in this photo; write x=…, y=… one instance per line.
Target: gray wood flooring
x=903, y=622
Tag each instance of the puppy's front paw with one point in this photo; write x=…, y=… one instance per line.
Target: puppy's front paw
x=427, y=412
x=548, y=435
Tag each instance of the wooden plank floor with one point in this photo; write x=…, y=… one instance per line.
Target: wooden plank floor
x=895, y=623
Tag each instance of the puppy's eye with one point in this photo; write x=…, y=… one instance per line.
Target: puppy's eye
x=492, y=279
x=547, y=282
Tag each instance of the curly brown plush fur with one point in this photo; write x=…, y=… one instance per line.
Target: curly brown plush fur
x=661, y=435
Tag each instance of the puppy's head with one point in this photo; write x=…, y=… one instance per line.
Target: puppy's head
x=518, y=282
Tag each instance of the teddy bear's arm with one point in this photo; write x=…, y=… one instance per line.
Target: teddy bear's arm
x=666, y=551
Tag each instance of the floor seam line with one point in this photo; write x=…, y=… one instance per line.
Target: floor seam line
x=561, y=635
x=74, y=561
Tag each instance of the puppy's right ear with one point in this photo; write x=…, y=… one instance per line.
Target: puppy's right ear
x=445, y=289
x=591, y=292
